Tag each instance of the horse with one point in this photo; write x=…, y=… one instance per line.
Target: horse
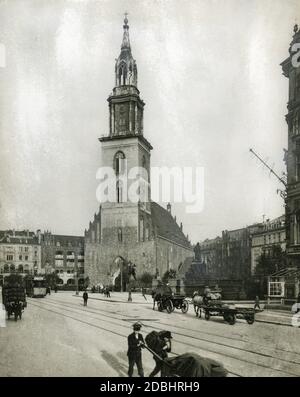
x=200, y=300
x=198, y=303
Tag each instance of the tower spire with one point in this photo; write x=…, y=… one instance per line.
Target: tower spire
x=125, y=42
x=125, y=68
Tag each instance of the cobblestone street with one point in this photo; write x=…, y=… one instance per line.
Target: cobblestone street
x=58, y=336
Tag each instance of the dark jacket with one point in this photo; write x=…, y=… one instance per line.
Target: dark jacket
x=133, y=349
x=160, y=349
x=85, y=295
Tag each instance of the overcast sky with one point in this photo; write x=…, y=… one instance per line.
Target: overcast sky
x=210, y=76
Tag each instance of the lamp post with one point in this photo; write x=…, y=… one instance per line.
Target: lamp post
x=121, y=274
x=129, y=289
x=76, y=279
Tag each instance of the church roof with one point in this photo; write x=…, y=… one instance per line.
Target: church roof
x=166, y=225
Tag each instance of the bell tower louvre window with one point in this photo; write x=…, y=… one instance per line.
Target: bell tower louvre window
x=119, y=163
x=119, y=191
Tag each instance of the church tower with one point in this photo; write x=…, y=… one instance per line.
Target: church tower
x=130, y=228
x=125, y=219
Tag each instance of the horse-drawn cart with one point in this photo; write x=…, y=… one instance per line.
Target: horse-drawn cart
x=166, y=300
x=180, y=302
x=212, y=305
x=13, y=296
x=230, y=314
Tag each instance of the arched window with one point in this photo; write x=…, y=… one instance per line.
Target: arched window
x=119, y=162
x=12, y=268
x=119, y=192
x=6, y=268
x=20, y=268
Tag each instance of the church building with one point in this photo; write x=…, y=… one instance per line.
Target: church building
x=126, y=231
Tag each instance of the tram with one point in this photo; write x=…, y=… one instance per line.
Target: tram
x=36, y=287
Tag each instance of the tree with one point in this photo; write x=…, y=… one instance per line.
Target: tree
x=267, y=264
x=52, y=279
x=270, y=262
x=146, y=279
x=169, y=274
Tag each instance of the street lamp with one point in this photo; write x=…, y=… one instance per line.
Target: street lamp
x=76, y=278
x=121, y=274
x=129, y=289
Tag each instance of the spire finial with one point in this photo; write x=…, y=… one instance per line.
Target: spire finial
x=125, y=43
x=126, y=21
x=296, y=28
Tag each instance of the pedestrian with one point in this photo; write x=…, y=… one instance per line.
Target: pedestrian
x=55, y=288
x=48, y=290
x=85, y=298
x=162, y=348
x=256, y=303
x=134, y=353
x=107, y=292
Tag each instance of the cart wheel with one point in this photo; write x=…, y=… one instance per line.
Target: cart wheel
x=207, y=315
x=169, y=306
x=231, y=319
x=250, y=320
x=185, y=306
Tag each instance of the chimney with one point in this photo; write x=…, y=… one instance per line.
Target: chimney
x=181, y=226
x=169, y=208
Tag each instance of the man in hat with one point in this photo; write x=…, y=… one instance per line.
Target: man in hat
x=162, y=348
x=135, y=344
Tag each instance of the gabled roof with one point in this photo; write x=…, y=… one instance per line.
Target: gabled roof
x=18, y=237
x=64, y=240
x=166, y=226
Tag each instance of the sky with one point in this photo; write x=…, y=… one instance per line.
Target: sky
x=209, y=73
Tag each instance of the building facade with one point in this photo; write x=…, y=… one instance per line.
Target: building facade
x=228, y=256
x=127, y=230
x=20, y=252
x=269, y=235
x=291, y=70
x=63, y=255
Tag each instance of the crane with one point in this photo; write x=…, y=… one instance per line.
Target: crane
x=282, y=192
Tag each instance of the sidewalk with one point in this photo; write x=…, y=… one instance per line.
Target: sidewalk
x=275, y=317
x=120, y=297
